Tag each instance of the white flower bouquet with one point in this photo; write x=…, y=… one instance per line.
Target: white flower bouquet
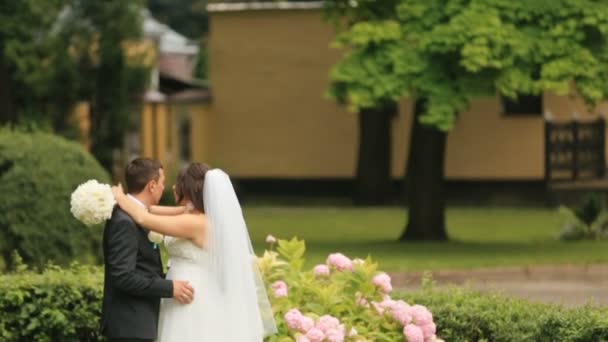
x=92, y=203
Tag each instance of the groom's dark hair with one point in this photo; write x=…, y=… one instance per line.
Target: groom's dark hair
x=139, y=172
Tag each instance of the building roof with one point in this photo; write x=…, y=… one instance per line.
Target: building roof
x=191, y=96
x=169, y=41
x=171, y=83
x=249, y=6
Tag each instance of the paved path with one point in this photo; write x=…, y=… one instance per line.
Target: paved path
x=570, y=285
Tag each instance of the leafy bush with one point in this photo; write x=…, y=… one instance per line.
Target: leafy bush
x=56, y=305
x=64, y=305
x=343, y=300
x=466, y=315
x=38, y=172
x=587, y=221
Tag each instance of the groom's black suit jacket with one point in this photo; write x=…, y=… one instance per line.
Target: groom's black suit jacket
x=133, y=280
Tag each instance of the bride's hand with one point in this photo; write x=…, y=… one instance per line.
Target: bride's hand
x=118, y=192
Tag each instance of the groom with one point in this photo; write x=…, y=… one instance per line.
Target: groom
x=134, y=280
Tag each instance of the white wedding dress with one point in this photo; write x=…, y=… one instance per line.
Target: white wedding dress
x=230, y=303
x=195, y=321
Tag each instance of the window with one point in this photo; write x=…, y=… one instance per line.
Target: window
x=524, y=105
x=184, y=134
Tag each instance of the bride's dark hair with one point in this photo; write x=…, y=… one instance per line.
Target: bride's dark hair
x=189, y=184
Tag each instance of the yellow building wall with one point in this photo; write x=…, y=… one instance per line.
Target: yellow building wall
x=201, y=132
x=269, y=118
x=198, y=114
x=81, y=118
x=268, y=73
x=155, y=125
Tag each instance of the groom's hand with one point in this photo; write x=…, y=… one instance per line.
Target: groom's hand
x=182, y=291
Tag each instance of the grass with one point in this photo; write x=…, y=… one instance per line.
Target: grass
x=480, y=237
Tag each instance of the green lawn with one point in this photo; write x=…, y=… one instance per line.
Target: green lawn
x=480, y=237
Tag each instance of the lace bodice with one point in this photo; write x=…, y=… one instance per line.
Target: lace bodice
x=182, y=249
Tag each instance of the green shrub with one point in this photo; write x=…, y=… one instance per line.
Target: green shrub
x=353, y=294
x=64, y=305
x=589, y=220
x=57, y=305
x=38, y=172
x=467, y=315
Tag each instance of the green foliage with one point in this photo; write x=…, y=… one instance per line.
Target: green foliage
x=346, y=294
x=64, y=305
x=38, y=172
x=109, y=79
x=451, y=51
x=365, y=77
x=29, y=46
x=56, y=305
x=588, y=221
x=468, y=315
x=343, y=14
x=188, y=17
x=54, y=53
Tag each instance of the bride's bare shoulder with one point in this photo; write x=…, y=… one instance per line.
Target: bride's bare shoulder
x=196, y=218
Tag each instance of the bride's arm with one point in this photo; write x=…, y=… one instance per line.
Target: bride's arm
x=183, y=226
x=167, y=211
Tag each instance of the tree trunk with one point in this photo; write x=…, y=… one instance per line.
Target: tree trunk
x=373, y=183
x=424, y=186
x=7, y=112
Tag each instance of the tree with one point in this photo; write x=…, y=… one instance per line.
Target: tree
x=31, y=60
x=361, y=71
x=188, y=17
x=108, y=79
x=447, y=52
x=54, y=53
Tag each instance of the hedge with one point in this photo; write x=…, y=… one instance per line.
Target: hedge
x=64, y=305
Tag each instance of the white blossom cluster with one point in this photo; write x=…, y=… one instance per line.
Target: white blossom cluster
x=92, y=202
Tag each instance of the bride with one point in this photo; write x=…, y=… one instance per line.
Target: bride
x=209, y=246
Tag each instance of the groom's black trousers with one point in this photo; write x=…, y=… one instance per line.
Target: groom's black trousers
x=128, y=340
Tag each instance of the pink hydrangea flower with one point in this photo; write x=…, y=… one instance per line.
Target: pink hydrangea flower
x=306, y=323
x=428, y=331
x=402, y=316
x=421, y=315
x=315, y=335
x=302, y=338
x=383, y=282
x=280, y=293
x=327, y=323
x=340, y=262
x=400, y=304
x=335, y=335
x=361, y=301
x=388, y=304
x=400, y=311
x=280, y=289
x=433, y=338
x=321, y=270
x=293, y=318
x=413, y=333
